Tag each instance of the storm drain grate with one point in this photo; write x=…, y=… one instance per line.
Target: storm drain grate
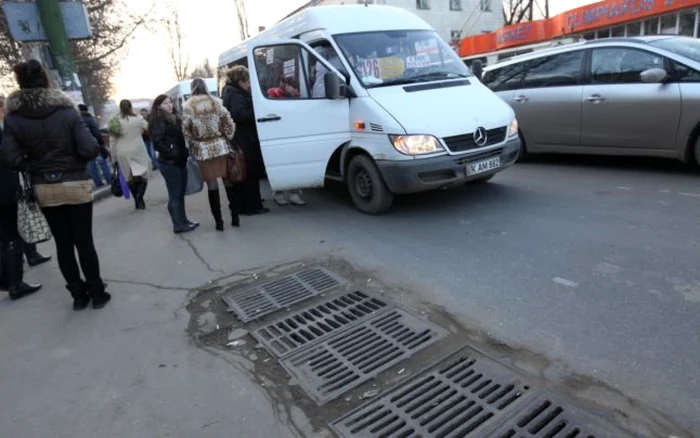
x=454, y=400
x=295, y=331
x=547, y=418
x=264, y=299
x=332, y=367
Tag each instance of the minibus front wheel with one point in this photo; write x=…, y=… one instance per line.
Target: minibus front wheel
x=367, y=188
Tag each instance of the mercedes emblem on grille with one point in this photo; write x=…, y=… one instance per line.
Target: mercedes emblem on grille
x=480, y=137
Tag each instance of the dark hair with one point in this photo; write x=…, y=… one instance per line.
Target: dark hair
x=237, y=74
x=157, y=113
x=82, y=107
x=126, y=109
x=30, y=74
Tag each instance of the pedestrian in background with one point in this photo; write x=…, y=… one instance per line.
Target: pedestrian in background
x=11, y=269
x=149, y=143
x=169, y=141
x=45, y=134
x=239, y=102
x=99, y=163
x=209, y=129
x=130, y=152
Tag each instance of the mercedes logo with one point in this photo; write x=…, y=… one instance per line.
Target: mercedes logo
x=480, y=137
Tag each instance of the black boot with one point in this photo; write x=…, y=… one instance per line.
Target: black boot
x=215, y=205
x=134, y=193
x=32, y=255
x=78, y=291
x=141, y=190
x=235, y=218
x=12, y=259
x=98, y=295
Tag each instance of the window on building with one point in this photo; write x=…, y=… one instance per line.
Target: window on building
x=486, y=5
x=422, y=4
x=455, y=5
x=456, y=34
x=605, y=33
x=686, y=24
x=668, y=24
x=634, y=29
x=621, y=65
x=618, y=31
x=559, y=70
x=651, y=26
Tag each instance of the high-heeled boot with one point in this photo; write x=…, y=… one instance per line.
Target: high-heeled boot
x=215, y=206
x=235, y=218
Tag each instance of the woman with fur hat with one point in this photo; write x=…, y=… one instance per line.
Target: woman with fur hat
x=209, y=129
x=45, y=136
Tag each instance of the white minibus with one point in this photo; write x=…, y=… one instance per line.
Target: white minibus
x=370, y=96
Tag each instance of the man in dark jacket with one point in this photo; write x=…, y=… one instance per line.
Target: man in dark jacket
x=101, y=159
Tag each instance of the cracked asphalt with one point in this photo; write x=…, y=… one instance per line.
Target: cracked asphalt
x=591, y=262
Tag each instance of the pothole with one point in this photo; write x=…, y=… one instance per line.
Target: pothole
x=328, y=341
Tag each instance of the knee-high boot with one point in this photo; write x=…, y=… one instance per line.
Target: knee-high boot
x=13, y=269
x=215, y=205
x=235, y=218
x=141, y=187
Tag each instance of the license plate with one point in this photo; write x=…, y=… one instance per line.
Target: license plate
x=483, y=166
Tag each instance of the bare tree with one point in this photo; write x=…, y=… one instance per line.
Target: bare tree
x=242, y=19
x=203, y=70
x=175, y=42
x=517, y=11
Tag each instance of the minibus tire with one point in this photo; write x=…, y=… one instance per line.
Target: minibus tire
x=379, y=198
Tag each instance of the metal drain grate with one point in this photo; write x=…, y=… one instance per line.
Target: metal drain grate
x=264, y=299
x=547, y=418
x=293, y=332
x=332, y=367
x=452, y=401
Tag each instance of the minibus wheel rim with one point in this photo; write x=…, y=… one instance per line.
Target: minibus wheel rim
x=363, y=184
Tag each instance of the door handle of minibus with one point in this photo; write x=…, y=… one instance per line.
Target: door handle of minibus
x=269, y=118
x=595, y=98
x=521, y=99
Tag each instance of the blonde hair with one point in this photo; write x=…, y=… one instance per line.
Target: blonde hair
x=237, y=74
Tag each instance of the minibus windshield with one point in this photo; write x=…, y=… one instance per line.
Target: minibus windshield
x=380, y=59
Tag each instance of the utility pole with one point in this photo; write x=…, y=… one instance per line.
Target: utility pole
x=52, y=21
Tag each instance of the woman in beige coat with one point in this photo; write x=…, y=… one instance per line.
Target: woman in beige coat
x=209, y=128
x=130, y=151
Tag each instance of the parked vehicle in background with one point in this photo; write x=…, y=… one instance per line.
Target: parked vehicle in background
x=618, y=96
x=181, y=92
x=401, y=113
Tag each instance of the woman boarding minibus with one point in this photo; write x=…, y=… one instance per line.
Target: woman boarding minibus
x=400, y=114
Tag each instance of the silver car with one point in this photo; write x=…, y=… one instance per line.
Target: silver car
x=617, y=96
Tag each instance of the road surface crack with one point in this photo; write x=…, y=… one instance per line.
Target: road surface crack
x=145, y=283
x=201, y=258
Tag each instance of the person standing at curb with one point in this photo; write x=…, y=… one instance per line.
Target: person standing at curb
x=45, y=134
x=126, y=131
x=101, y=159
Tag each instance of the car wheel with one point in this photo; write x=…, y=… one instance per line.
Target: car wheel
x=367, y=188
x=696, y=153
x=522, y=153
x=483, y=180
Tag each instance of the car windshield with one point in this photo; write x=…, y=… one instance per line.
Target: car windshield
x=381, y=59
x=688, y=47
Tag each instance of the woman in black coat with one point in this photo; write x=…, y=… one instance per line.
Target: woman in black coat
x=239, y=102
x=11, y=269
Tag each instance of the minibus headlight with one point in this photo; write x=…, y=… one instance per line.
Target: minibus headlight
x=513, y=128
x=416, y=144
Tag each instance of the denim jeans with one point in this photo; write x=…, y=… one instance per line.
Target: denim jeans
x=152, y=153
x=176, y=183
x=95, y=171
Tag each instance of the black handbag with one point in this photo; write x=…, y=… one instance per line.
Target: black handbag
x=116, y=187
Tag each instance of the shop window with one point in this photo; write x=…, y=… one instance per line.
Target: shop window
x=589, y=36
x=668, y=24
x=618, y=31
x=651, y=26
x=422, y=4
x=621, y=65
x=634, y=29
x=686, y=24
x=605, y=33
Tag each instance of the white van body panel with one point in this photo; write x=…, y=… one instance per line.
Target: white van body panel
x=445, y=112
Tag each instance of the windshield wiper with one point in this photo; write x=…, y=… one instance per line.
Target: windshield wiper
x=421, y=78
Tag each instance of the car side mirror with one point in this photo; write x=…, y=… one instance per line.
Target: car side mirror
x=334, y=88
x=653, y=76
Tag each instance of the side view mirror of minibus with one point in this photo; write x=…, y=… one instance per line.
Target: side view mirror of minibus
x=653, y=76
x=335, y=89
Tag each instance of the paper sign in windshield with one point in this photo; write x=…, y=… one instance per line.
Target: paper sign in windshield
x=418, y=61
x=382, y=68
x=289, y=68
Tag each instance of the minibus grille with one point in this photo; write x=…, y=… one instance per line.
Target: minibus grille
x=461, y=143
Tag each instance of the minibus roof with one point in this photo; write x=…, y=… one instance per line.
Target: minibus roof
x=337, y=19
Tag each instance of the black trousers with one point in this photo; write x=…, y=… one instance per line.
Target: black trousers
x=8, y=223
x=71, y=226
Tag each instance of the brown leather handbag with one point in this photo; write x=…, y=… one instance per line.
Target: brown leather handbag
x=235, y=165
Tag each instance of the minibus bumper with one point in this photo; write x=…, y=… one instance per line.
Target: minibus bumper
x=421, y=175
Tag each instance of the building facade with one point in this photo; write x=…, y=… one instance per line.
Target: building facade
x=452, y=19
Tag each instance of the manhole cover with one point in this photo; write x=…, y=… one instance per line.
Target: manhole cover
x=353, y=356
x=299, y=329
x=548, y=418
x=264, y=299
x=456, y=398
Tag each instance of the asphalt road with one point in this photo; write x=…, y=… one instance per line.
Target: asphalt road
x=591, y=262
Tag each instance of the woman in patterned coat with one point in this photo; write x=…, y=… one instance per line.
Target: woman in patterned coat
x=209, y=128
